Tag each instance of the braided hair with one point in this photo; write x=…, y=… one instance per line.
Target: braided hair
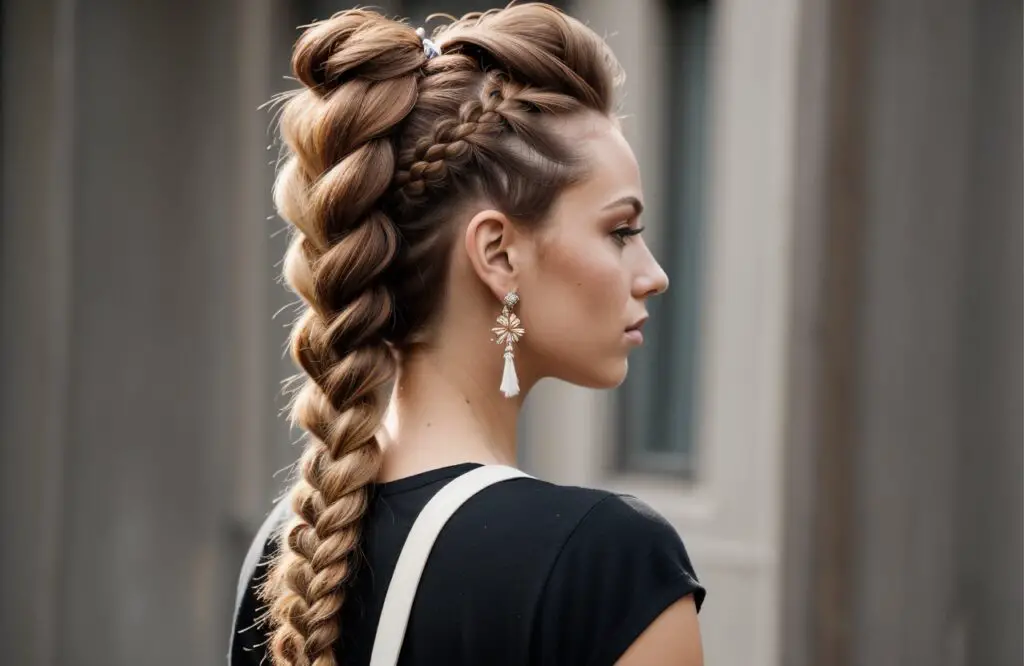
x=384, y=144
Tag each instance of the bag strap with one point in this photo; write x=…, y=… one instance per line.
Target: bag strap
x=387, y=645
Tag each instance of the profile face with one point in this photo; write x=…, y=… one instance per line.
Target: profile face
x=584, y=293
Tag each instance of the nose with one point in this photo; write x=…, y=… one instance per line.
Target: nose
x=651, y=280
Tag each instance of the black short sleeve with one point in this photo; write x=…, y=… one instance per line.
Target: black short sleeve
x=620, y=569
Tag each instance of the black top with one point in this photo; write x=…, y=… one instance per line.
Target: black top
x=525, y=572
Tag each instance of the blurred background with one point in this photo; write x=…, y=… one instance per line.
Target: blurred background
x=829, y=408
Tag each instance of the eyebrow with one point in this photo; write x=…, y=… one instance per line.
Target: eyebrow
x=638, y=207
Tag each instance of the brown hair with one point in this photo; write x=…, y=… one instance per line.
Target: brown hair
x=383, y=146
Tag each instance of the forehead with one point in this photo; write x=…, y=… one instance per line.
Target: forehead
x=612, y=170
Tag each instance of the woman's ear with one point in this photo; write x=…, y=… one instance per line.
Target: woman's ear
x=493, y=247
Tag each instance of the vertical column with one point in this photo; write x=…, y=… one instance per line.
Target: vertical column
x=991, y=460
x=917, y=214
x=799, y=615
x=837, y=359
x=35, y=319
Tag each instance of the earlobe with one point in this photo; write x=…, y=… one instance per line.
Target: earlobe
x=490, y=245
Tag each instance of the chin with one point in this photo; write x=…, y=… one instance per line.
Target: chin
x=620, y=374
x=607, y=375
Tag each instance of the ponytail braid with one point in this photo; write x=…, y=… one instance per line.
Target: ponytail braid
x=361, y=77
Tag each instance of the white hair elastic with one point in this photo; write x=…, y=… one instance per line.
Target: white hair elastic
x=430, y=49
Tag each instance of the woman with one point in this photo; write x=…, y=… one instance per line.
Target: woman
x=467, y=218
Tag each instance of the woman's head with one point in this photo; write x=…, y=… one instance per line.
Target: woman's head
x=422, y=189
x=583, y=273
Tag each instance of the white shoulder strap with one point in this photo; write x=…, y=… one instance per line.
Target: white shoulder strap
x=394, y=618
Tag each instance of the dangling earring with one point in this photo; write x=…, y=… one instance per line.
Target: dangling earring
x=509, y=330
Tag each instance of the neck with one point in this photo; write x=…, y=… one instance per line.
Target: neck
x=445, y=410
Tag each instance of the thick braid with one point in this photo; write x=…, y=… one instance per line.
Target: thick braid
x=361, y=71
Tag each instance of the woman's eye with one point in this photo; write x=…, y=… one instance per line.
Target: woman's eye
x=622, y=234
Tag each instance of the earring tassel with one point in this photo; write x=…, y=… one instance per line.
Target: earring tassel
x=509, y=380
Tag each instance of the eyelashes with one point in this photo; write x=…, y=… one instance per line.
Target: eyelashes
x=623, y=234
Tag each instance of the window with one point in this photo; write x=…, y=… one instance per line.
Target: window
x=658, y=400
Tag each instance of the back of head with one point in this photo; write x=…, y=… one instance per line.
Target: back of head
x=385, y=143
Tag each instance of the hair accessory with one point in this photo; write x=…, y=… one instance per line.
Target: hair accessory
x=509, y=330
x=430, y=49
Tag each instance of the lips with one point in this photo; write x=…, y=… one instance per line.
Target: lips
x=639, y=324
x=633, y=334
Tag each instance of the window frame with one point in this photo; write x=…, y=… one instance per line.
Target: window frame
x=659, y=402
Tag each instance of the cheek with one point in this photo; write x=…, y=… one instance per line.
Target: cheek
x=583, y=293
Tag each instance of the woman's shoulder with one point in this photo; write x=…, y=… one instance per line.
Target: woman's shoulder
x=588, y=534
x=600, y=514
x=621, y=566
x=613, y=525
